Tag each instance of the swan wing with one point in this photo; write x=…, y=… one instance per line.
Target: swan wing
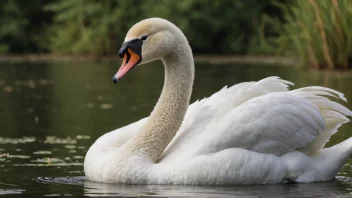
x=275, y=123
x=279, y=122
x=207, y=113
x=260, y=116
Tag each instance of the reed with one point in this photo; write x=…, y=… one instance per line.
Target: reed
x=318, y=31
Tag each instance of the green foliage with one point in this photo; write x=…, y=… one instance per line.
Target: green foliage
x=316, y=31
x=216, y=26
x=89, y=26
x=21, y=25
x=319, y=32
x=98, y=27
x=12, y=23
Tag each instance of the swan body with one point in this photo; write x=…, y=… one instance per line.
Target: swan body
x=250, y=133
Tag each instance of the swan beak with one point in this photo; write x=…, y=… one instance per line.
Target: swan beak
x=131, y=52
x=130, y=60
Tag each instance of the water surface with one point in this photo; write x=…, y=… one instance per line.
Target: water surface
x=51, y=113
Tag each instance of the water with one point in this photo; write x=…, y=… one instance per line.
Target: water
x=51, y=113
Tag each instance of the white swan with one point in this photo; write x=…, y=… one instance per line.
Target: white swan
x=253, y=132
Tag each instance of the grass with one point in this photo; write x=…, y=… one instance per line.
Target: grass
x=317, y=31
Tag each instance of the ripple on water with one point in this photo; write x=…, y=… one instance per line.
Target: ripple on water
x=21, y=140
x=70, y=146
x=49, y=161
x=7, y=189
x=18, y=156
x=51, y=164
x=85, y=137
x=62, y=180
x=40, y=162
x=344, y=179
x=3, y=156
x=57, y=140
x=42, y=152
x=55, y=156
x=10, y=191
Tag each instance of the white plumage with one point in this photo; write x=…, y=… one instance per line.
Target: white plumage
x=252, y=132
x=220, y=133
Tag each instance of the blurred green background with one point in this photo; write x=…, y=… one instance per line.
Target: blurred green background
x=316, y=31
x=51, y=112
x=97, y=27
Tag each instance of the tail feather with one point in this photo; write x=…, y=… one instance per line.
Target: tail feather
x=330, y=105
x=334, y=114
x=323, y=91
x=328, y=114
x=329, y=161
x=332, y=125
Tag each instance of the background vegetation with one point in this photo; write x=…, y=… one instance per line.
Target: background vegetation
x=317, y=31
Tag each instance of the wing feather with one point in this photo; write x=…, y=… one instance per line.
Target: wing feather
x=267, y=124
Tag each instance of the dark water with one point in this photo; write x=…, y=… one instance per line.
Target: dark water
x=51, y=113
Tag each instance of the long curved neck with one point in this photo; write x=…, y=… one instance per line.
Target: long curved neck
x=168, y=114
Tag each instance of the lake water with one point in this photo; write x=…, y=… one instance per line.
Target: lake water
x=50, y=114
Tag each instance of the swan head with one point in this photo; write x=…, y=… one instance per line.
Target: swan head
x=147, y=40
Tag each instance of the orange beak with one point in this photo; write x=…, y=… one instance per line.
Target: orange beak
x=130, y=60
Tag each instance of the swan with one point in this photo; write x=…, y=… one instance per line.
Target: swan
x=249, y=133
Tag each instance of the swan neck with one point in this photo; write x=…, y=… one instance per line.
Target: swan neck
x=167, y=116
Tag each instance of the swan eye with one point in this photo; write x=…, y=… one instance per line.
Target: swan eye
x=144, y=38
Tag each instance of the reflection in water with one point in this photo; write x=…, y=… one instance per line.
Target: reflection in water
x=50, y=114
x=94, y=189
x=283, y=190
